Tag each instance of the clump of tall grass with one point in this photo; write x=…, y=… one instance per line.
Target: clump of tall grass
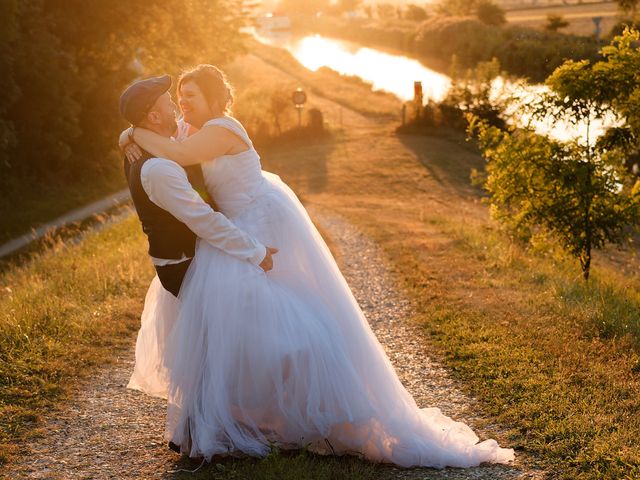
x=61, y=312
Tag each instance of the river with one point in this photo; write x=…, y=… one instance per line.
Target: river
x=397, y=73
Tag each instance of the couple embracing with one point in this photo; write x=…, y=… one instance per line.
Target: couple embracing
x=249, y=329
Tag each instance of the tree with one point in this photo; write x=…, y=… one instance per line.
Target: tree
x=472, y=92
x=490, y=13
x=485, y=10
x=629, y=7
x=456, y=8
x=538, y=184
x=9, y=35
x=66, y=62
x=578, y=192
x=555, y=22
x=415, y=13
x=45, y=114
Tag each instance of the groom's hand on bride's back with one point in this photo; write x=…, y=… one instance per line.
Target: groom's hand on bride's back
x=267, y=263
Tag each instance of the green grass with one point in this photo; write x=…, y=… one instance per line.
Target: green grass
x=295, y=465
x=607, y=305
x=62, y=312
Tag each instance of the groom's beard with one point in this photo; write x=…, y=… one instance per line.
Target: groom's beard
x=171, y=128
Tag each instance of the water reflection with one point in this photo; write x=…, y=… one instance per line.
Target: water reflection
x=391, y=73
x=396, y=74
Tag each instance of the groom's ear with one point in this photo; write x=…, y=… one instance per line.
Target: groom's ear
x=154, y=118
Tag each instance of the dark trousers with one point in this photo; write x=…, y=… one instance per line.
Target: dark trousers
x=171, y=276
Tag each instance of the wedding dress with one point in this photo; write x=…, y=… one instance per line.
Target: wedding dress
x=251, y=359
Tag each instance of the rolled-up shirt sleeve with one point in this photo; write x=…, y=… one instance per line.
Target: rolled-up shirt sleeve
x=167, y=186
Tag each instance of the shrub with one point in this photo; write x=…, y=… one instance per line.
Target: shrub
x=470, y=93
x=269, y=115
x=535, y=54
x=490, y=13
x=415, y=13
x=555, y=22
x=468, y=38
x=619, y=27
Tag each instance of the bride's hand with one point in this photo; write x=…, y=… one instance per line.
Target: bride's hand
x=131, y=150
x=125, y=138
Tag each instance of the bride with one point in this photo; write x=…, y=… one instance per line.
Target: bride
x=285, y=357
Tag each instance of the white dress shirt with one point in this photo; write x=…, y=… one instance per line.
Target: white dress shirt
x=167, y=185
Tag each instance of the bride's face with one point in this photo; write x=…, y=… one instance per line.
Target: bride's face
x=194, y=105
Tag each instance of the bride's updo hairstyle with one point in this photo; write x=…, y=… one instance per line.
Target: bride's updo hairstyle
x=213, y=83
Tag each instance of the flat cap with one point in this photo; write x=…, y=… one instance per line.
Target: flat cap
x=140, y=96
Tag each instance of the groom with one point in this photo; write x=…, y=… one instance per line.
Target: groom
x=172, y=213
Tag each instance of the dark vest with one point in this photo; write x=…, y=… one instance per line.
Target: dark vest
x=168, y=237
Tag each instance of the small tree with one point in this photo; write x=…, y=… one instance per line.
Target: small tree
x=415, y=13
x=555, y=22
x=279, y=105
x=472, y=91
x=578, y=192
x=490, y=13
x=538, y=184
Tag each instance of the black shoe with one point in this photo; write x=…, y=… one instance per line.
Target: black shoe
x=177, y=448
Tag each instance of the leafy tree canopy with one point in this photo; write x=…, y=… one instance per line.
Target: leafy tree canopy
x=65, y=63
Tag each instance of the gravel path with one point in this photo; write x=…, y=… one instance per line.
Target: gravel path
x=387, y=311
x=109, y=432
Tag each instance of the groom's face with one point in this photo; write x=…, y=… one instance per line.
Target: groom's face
x=162, y=116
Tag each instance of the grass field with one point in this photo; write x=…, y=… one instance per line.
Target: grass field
x=62, y=314
x=552, y=359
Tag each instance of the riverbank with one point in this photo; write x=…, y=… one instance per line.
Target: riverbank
x=522, y=52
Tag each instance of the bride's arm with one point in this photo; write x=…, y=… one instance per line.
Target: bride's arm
x=207, y=143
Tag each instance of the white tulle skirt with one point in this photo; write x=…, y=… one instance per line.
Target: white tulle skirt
x=248, y=359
